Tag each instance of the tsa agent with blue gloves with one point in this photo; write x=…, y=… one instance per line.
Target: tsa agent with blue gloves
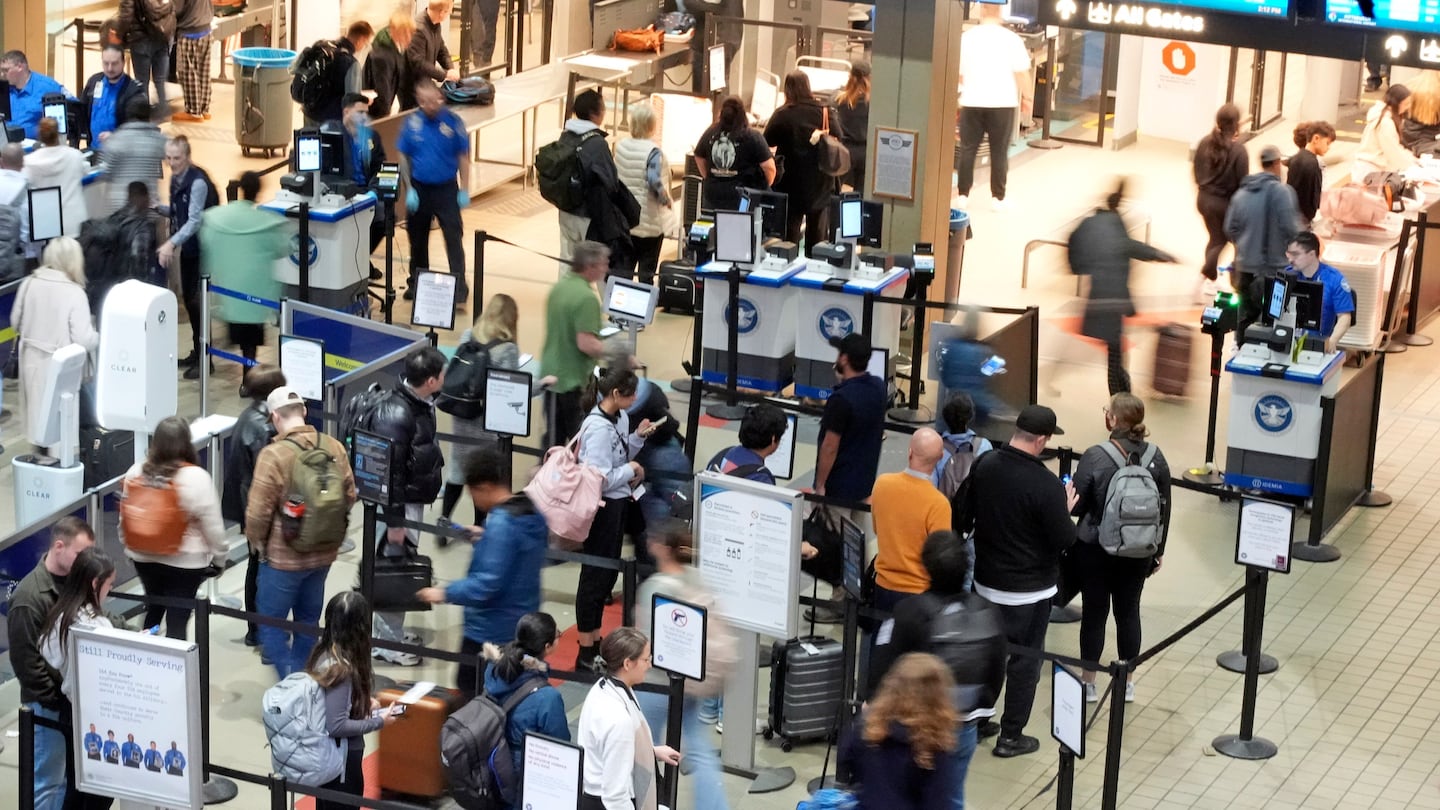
x=434, y=149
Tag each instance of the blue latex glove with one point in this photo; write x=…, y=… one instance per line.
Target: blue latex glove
x=412, y=201
x=463, y=197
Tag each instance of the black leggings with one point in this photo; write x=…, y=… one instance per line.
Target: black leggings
x=607, y=536
x=1117, y=376
x=1107, y=580
x=352, y=781
x=160, y=579
x=190, y=293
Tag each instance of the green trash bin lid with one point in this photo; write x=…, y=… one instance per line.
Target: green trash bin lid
x=262, y=57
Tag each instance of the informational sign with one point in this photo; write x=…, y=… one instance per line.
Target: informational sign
x=893, y=155
x=852, y=546
x=1067, y=710
x=303, y=362
x=715, y=57
x=748, y=535
x=434, y=300
x=781, y=463
x=1264, y=535
x=47, y=214
x=507, y=401
x=552, y=774
x=679, y=630
x=129, y=740
x=370, y=456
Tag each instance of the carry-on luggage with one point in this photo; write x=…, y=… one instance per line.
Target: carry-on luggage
x=410, y=747
x=1172, y=360
x=679, y=289
x=398, y=578
x=106, y=454
x=807, y=679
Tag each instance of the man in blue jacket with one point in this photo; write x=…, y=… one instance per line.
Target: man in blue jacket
x=503, y=582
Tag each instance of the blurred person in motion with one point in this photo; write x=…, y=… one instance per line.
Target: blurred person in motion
x=239, y=245
x=853, y=105
x=135, y=151
x=386, y=68
x=966, y=365
x=56, y=163
x=51, y=311
x=899, y=752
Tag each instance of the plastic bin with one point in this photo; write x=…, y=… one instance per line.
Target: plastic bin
x=955, y=258
x=263, y=109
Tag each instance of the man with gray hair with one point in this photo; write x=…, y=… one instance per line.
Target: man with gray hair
x=572, y=339
x=14, y=219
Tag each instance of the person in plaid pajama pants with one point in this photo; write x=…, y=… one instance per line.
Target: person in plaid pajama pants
x=192, y=55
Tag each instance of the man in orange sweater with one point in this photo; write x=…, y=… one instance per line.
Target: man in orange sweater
x=905, y=508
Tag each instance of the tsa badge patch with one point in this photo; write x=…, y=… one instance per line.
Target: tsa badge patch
x=1273, y=413
x=835, y=323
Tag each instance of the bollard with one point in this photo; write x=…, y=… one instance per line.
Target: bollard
x=674, y=719
x=1110, y=797
x=27, y=756
x=1246, y=745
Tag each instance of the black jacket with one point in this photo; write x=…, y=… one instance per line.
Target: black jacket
x=980, y=682
x=385, y=72
x=409, y=423
x=427, y=56
x=1021, y=521
x=1220, y=175
x=1308, y=180
x=335, y=77
x=1101, y=248
x=129, y=90
x=789, y=131
x=1422, y=139
x=1092, y=483
x=612, y=209
x=885, y=777
x=29, y=605
x=253, y=431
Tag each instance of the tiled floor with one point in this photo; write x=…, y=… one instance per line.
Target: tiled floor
x=1351, y=708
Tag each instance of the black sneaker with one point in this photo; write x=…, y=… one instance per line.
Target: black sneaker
x=375, y=274
x=1007, y=747
x=987, y=729
x=190, y=359
x=252, y=639
x=409, y=294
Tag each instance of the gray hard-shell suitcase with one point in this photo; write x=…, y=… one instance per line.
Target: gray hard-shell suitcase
x=807, y=678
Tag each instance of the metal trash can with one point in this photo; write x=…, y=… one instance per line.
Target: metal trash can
x=263, y=109
x=955, y=258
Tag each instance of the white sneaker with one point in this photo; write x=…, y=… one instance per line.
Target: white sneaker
x=1092, y=695
x=1129, y=692
x=960, y=203
x=999, y=205
x=412, y=638
x=399, y=659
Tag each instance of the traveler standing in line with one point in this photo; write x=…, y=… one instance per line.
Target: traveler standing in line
x=853, y=106
x=56, y=163
x=1107, y=579
x=27, y=91
x=135, y=151
x=171, y=461
x=620, y=759
x=239, y=245
x=343, y=76
x=191, y=192
x=761, y=428
x=1262, y=220
x=149, y=35
x=40, y=683
x=385, y=68
x=253, y=432
x=130, y=251
x=1420, y=130
x=1021, y=518
x=14, y=213
x=572, y=339
x=1101, y=248
x=51, y=311
x=106, y=98
x=732, y=155
x=340, y=664
x=1221, y=164
x=906, y=508
x=791, y=133
x=958, y=437
x=1306, y=174
x=995, y=86
x=435, y=152
x=1380, y=149
x=520, y=664
x=609, y=210
x=192, y=54
x=643, y=169
x=427, y=58
x=290, y=581
x=608, y=445
x=484, y=16
x=503, y=581
x=900, y=752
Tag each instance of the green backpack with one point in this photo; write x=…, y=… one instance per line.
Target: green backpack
x=317, y=486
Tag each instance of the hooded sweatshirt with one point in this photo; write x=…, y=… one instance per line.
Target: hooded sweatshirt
x=885, y=776
x=543, y=711
x=1262, y=219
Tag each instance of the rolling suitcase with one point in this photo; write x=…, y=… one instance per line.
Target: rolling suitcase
x=398, y=578
x=679, y=288
x=106, y=454
x=410, y=747
x=807, y=678
x=1172, y=360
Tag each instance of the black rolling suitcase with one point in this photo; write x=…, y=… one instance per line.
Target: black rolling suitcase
x=106, y=454
x=398, y=578
x=807, y=678
x=679, y=288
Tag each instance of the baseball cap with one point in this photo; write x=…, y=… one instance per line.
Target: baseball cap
x=1036, y=420
x=283, y=396
x=853, y=344
x=1269, y=155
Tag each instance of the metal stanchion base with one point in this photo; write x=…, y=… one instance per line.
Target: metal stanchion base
x=1044, y=143
x=1254, y=748
x=1319, y=553
x=1204, y=477
x=682, y=385
x=1064, y=615
x=769, y=780
x=1374, y=497
x=1235, y=662
x=911, y=416
x=218, y=790
x=1389, y=346
x=729, y=413
x=1415, y=340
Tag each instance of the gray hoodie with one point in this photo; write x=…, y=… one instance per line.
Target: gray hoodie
x=1262, y=219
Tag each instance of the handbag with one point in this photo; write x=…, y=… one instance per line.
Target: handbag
x=821, y=532
x=831, y=155
x=567, y=492
x=398, y=578
x=639, y=40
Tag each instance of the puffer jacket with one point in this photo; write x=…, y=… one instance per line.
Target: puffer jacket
x=542, y=711
x=253, y=431
x=409, y=423
x=503, y=582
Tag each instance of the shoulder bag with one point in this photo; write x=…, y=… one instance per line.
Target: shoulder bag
x=831, y=155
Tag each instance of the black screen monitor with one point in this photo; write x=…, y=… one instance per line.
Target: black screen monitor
x=332, y=153
x=773, y=206
x=53, y=106
x=1278, y=292
x=1309, y=298
x=872, y=219
x=5, y=100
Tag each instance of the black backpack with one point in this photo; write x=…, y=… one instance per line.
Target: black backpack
x=475, y=751
x=559, y=171
x=359, y=411
x=968, y=636
x=311, y=84
x=463, y=393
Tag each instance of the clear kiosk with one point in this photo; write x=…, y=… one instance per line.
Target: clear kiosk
x=44, y=482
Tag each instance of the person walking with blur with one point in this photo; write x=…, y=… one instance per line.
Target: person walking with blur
x=134, y=152
x=386, y=70
x=239, y=245
x=148, y=30
x=791, y=133
x=620, y=758
x=644, y=170
x=732, y=155
x=1220, y=165
x=56, y=163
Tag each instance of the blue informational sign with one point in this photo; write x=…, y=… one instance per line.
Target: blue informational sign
x=1411, y=15
x=348, y=347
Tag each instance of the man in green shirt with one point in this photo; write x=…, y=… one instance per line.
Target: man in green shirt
x=239, y=245
x=572, y=339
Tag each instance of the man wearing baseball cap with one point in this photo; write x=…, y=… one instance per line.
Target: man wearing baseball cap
x=1263, y=218
x=1020, y=513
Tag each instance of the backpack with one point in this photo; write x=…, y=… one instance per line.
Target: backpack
x=12, y=259
x=463, y=393
x=471, y=90
x=968, y=636
x=316, y=482
x=156, y=16
x=1130, y=524
x=301, y=748
x=475, y=750
x=956, y=465
x=310, y=85
x=359, y=411
x=151, y=519
x=559, y=171
x=566, y=492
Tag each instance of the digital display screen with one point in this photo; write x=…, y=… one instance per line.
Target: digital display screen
x=56, y=110
x=852, y=224
x=1263, y=8
x=388, y=178
x=630, y=300
x=1278, y=289
x=370, y=459
x=852, y=540
x=307, y=153
x=879, y=363
x=734, y=237
x=1413, y=15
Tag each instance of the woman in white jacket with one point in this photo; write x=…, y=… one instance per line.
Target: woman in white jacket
x=642, y=167
x=620, y=772
x=59, y=164
x=1380, y=149
x=51, y=312
x=172, y=461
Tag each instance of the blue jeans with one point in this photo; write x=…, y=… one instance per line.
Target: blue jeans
x=703, y=758
x=151, y=58
x=49, y=761
x=278, y=594
x=969, y=736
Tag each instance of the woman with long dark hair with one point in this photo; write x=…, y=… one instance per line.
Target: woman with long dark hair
x=619, y=754
x=340, y=664
x=791, y=133
x=1380, y=149
x=171, y=463
x=607, y=444
x=1220, y=164
x=899, y=755
x=853, y=106
x=519, y=668
x=732, y=155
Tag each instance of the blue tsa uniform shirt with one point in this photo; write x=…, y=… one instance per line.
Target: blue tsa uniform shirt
x=111, y=750
x=174, y=762
x=1338, y=299
x=130, y=754
x=26, y=107
x=434, y=146
x=153, y=760
x=92, y=746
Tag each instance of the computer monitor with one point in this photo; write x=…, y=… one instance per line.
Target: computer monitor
x=629, y=300
x=53, y=106
x=307, y=154
x=1309, y=298
x=5, y=100
x=1278, y=294
x=735, y=237
x=851, y=220
x=332, y=153
x=772, y=205
x=872, y=220
x=879, y=364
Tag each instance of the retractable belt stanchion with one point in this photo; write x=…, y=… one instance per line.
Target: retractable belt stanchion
x=1065, y=780
x=675, y=717
x=1207, y=474
x=304, y=239
x=1051, y=71
x=1412, y=322
x=730, y=410
x=481, y=237
x=1390, y=342
x=27, y=757
x=1241, y=660
x=389, y=308
x=1372, y=496
x=1110, y=793
x=1246, y=745
x=217, y=789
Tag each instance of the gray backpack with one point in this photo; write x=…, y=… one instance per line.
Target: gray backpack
x=12, y=259
x=301, y=750
x=1130, y=526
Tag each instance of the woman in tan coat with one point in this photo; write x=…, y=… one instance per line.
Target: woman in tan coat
x=51, y=312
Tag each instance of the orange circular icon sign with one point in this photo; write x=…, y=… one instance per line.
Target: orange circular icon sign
x=1179, y=58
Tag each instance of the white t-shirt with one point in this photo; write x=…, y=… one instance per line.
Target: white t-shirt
x=990, y=56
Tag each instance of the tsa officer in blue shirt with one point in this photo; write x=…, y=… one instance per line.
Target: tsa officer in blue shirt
x=153, y=760
x=130, y=752
x=434, y=149
x=92, y=744
x=364, y=153
x=174, y=761
x=106, y=96
x=1337, y=312
x=111, y=749
x=27, y=91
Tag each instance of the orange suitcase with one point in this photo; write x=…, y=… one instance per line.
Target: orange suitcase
x=410, y=747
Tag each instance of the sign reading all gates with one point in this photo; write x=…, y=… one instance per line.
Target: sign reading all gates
x=1178, y=57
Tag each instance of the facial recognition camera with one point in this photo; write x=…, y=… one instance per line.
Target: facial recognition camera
x=45, y=483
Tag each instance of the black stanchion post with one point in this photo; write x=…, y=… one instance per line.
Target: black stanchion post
x=367, y=550
x=1390, y=343
x=1412, y=322
x=1239, y=660
x=867, y=313
x=730, y=410
x=278, y=791
x=692, y=413
x=304, y=238
x=389, y=208
x=507, y=455
x=1051, y=72
x=629, y=585
x=1246, y=745
x=697, y=347
x=912, y=413
x=217, y=789
x=27, y=757
x=1207, y=473
x=673, y=722
x=481, y=237
x=1115, y=737
x=851, y=689
x=1372, y=496
x=1065, y=781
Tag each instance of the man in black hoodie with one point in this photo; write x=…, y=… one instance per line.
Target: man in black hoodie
x=427, y=55
x=1021, y=515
